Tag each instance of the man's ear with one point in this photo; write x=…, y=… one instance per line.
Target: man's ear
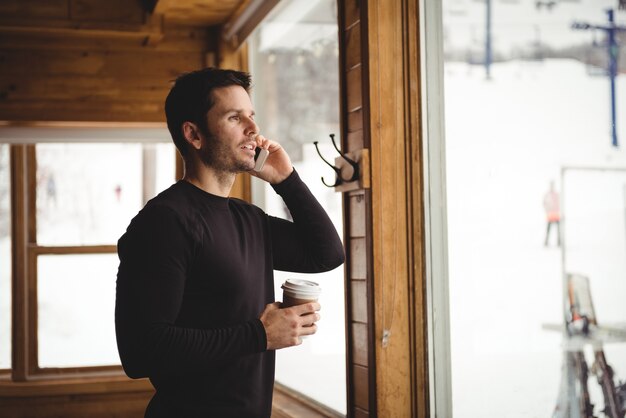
x=191, y=134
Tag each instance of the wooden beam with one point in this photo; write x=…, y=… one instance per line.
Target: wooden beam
x=415, y=160
x=19, y=262
x=87, y=249
x=85, y=89
x=44, y=9
x=77, y=10
x=232, y=58
x=197, y=12
x=245, y=19
x=159, y=66
x=76, y=386
x=236, y=15
x=106, y=11
x=52, y=34
x=31, y=270
x=389, y=226
x=162, y=6
x=175, y=38
x=73, y=111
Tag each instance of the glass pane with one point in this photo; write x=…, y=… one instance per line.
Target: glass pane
x=527, y=106
x=296, y=94
x=5, y=259
x=86, y=193
x=76, y=303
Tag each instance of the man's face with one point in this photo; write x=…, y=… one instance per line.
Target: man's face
x=230, y=144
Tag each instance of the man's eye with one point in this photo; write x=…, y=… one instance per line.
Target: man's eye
x=235, y=117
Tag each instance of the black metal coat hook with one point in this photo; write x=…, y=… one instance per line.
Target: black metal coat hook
x=338, y=178
x=354, y=164
x=337, y=171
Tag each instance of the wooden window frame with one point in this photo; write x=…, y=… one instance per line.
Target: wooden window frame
x=25, y=364
x=25, y=379
x=436, y=279
x=25, y=252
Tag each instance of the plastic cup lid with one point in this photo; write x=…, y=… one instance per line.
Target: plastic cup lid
x=301, y=286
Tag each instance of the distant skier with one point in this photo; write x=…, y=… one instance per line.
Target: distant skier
x=551, y=205
x=51, y=190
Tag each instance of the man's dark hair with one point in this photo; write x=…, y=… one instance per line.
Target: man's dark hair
x=191, y=97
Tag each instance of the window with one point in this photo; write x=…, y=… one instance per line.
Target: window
x=77, y=200
x=294, y=57
x=5, y=259
x=535, y=194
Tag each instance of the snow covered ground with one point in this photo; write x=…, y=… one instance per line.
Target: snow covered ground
x=506, y=139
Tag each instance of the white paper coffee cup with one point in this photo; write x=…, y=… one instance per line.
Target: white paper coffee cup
x=299, y=291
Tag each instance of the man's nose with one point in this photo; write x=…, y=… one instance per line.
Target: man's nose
x=252, y=128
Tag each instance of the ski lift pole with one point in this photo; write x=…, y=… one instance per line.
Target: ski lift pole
x=613, y=50
x=613, y=54
x=488, y=50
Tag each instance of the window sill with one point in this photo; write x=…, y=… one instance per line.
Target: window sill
x=73, y=386
x=287, y=403
x=291, y=404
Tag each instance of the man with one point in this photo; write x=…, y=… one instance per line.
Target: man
x=195, y=308
x=552, y=205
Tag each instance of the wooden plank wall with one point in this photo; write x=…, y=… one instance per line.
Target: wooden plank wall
x=88, y=60
x=385, y=241
x=358, y=237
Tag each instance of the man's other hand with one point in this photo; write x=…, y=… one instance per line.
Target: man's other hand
x=285, y=327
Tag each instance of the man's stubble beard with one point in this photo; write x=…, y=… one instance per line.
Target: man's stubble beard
x=216, y=156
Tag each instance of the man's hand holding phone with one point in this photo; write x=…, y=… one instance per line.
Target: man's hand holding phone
x=260, y=155
x=277, y=166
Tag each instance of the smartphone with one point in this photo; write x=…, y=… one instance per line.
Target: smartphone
x=260, y=155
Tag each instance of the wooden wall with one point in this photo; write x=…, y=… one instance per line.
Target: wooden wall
x=89, y=60
x=358, y=235
x=387, y=348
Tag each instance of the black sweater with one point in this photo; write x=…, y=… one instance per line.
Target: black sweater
x=196, y=271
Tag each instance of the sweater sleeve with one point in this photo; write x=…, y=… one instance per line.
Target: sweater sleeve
x=155, y=255
x=309, y=244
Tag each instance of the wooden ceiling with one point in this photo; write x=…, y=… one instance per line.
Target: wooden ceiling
x=186, y=12
x=111, y=60
x=199, y=12
x=145, y=19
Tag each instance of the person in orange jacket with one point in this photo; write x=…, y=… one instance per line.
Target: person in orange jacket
x=551, y=204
